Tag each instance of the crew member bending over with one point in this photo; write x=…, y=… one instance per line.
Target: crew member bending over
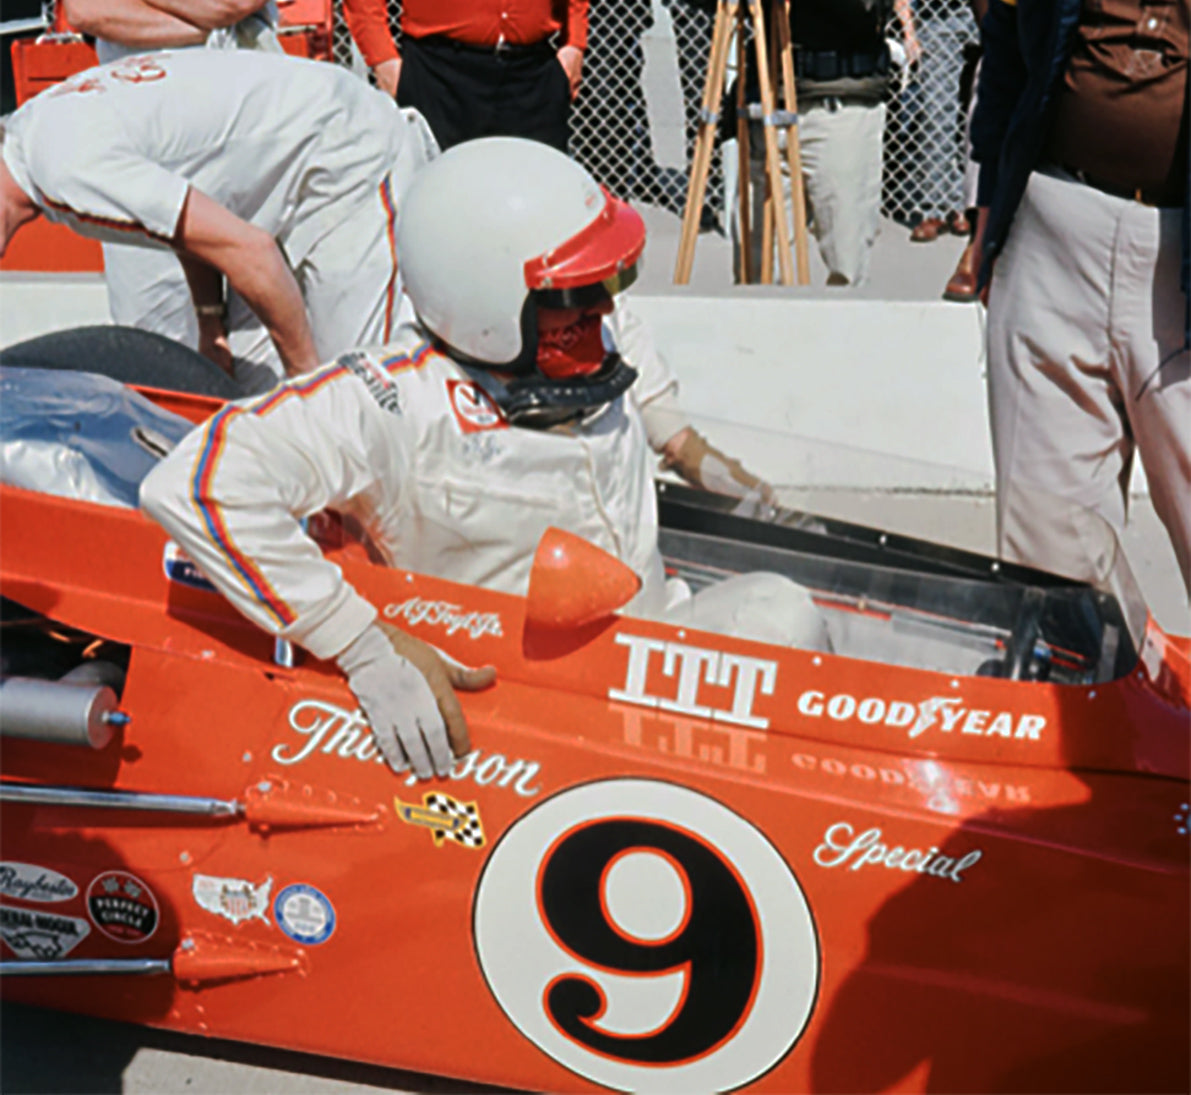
x=146, y=287
x=279, y=174
x=499, y=412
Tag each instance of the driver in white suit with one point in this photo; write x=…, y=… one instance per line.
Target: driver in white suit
x=501, y=411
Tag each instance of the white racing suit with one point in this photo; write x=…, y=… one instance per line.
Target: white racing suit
x=411, y=445
x=655, y=392
x=146, y=288
x=349, y=280
x=272, y=139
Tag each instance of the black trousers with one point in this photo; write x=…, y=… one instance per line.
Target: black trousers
x=464, y=92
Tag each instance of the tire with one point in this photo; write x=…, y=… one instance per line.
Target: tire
x=126, y=354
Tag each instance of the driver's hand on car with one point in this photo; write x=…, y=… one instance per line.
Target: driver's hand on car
x=700, y=463
x=406, y=689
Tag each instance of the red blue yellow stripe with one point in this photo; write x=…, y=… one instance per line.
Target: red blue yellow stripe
x=211, y=452
x=386, y=198
x=111, y=223
x=301, y=388
x=214, y=445
x=415, y=359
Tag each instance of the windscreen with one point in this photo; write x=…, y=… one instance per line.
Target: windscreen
x=1079, y=628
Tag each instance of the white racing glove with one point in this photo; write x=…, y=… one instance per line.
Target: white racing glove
x=407, y=692
x=702, y=464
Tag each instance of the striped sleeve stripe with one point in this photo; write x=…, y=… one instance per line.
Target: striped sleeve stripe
x=386, y=197
x=211, y=452
x=214, y=443
x=106, y=222
x=300, y=388
x=415, y=360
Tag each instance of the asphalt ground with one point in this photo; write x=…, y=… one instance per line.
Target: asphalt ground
x=50, y=1052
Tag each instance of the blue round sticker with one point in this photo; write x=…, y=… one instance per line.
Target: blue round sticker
x=304, y=914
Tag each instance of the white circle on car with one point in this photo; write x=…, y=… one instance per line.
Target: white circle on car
x=646, y=937
x=304, y=914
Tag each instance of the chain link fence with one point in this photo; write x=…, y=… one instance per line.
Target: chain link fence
x=636, y=118
x=925, y=148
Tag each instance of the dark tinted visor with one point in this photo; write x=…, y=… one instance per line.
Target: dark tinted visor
x=586, y=296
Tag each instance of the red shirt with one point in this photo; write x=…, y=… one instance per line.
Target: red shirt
x=476, y=22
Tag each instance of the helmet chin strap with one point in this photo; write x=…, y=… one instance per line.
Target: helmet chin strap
x=539, y=402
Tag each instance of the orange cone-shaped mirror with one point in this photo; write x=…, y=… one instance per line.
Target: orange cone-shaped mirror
x=573, y=582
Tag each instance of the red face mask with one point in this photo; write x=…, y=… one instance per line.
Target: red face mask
x=574, y=350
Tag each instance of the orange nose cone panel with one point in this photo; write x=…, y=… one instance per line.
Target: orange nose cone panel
x=574, y=583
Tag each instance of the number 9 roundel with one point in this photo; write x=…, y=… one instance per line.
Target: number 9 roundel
x=647, y=937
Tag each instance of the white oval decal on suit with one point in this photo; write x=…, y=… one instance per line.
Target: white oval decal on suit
x=645, y=936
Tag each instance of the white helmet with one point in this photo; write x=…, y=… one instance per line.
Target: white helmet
x=494, y=227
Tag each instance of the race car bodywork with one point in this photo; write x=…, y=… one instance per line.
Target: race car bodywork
x=950, y=856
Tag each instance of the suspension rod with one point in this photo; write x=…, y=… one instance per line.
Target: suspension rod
x=121, y=800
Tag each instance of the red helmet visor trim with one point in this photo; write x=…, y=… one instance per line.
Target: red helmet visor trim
x=606, y=247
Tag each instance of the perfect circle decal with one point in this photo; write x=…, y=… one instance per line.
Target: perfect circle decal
x=645, y=936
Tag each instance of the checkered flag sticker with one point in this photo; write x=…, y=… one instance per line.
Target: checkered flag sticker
x=446, y=817
x=466, y=827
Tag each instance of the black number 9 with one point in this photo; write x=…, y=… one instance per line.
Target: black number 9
x=717, y=943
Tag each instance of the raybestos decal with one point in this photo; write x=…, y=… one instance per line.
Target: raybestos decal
x=28, y=882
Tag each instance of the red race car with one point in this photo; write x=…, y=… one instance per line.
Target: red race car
x=951, y=855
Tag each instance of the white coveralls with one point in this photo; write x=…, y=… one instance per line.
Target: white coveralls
x=146, y=287
x=410, y=444
x=302, y=149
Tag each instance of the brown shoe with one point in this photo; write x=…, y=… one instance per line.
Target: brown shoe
x=962, y=286
x=927, y=230
x=958, y=224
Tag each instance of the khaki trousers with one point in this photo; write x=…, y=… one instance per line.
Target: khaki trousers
x=840, y=145
x=1086, y=363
